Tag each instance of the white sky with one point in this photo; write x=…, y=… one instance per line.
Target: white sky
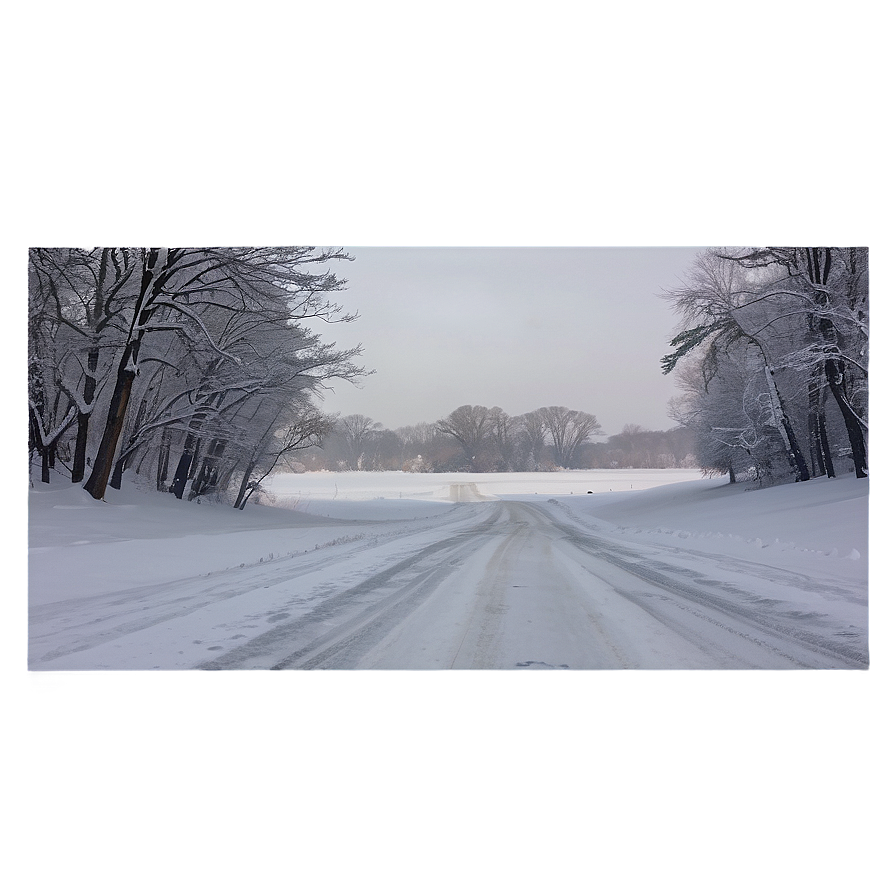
x=519, y=328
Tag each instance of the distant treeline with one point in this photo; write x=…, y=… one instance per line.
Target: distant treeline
x=474, y=438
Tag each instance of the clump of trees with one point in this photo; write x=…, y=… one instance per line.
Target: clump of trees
x=773, y=361
x=195, y=367
x=475, y=438
x=650, y=449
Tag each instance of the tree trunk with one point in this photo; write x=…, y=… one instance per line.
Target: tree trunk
x=182, y=473
x=207, y=477
x=853, y=427
x=125, y=459
x=194, y=465
x=819, y=262
x=189, y=458
x=242, y=497
x=815, y=455
x=786, y=429
x=150, y=286
x=79, y=464
x=105, y=456
x=164, y=456
x=796, y=453
x=117, y=471
x=823, y=438
x=821, y=449
x=141, y=455
x=79, y=460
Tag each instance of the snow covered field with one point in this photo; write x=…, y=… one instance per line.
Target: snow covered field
x=654, y=569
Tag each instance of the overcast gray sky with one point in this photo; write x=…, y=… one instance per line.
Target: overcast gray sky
x=519, y=328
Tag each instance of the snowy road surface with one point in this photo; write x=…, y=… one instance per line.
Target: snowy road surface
x=488, y=584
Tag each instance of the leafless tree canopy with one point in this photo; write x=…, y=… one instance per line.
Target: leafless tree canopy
x=773, y=360
x=199, y=364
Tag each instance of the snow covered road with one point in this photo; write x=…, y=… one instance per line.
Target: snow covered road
x=488, y=584
x=522, y=589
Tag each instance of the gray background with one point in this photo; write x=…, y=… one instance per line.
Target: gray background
x=519, y=328
x=476, y=124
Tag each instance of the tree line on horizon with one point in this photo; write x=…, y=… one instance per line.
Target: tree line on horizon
x=772, y=361
x=475, y=438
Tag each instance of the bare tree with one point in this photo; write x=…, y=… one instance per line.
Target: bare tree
x=75, y=301
x=568, y=429
x=533, y=430
x=803, y=312
x=50, y=411
x=731, y=417
x=723, y=311
x=504, y=432
x=417, y=442
x=301, y=426
x=355, y=431
x=185, y=290
x=470, y=426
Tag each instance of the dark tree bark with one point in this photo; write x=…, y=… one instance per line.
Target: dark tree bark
x=118, y=472
x=819, y=266
x=127, y=455
x=150, y=286
x=98, y=316
x=194, y=463
x=105, y=456
x=834, y=372
x=207, y=477
x=822, y=461
x=796, y=454
x=48, y=462
x=164, y=455
x=182, y=472
x=45, y=444
x=825, y=445
x=188, y=465
x=244, y=493
x=125, y=459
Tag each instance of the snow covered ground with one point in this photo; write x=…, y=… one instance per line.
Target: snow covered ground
x=142, y=581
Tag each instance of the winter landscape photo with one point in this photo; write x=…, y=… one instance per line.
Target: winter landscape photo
x=517, y=459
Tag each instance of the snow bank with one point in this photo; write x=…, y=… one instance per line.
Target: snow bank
x=79, y=547
x=821, y=522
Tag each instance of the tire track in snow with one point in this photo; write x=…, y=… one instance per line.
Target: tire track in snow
x=771, y=627
x=365, y=624
x=146, y=606
x=724, y=626
x=375, y=605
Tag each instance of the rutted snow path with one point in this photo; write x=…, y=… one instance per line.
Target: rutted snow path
x=523, y=589
x=497, y=585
